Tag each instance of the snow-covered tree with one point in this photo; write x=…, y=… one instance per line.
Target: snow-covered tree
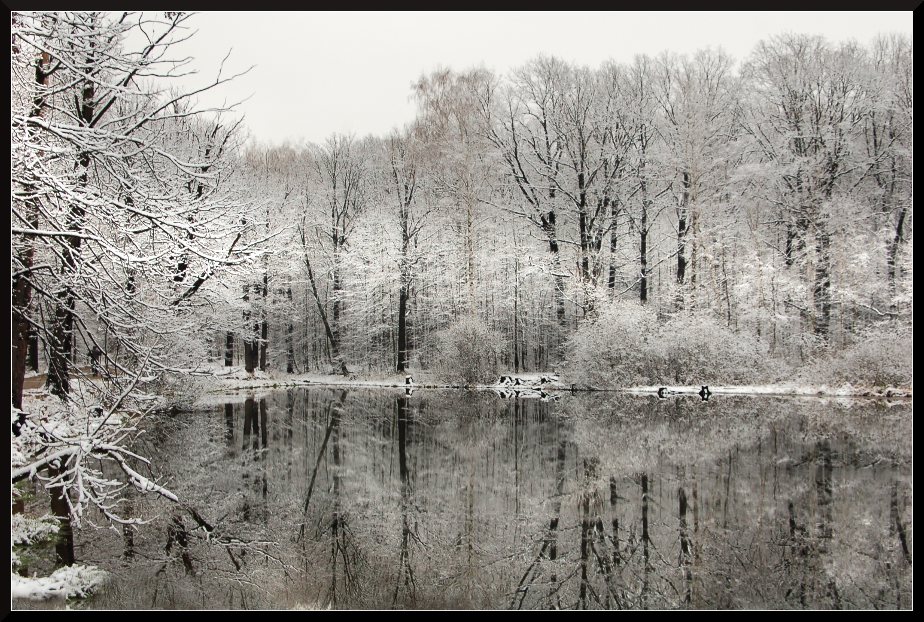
x=123, y=211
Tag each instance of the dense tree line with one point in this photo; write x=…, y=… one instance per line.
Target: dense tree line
x=773, y=198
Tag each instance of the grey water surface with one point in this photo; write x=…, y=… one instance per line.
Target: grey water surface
x=355, y=498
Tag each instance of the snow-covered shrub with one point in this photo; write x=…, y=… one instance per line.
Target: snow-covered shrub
x=881, y=359
x=467, y=352
x=68, y=582
x=75, y=581
x=695, y=349
x=612, y=349
x=626, y=346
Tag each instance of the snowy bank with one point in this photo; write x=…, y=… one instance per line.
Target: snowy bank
x=800, y=390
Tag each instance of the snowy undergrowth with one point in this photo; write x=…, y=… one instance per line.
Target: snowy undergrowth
x=75, y=446
x=626, y=345
x=467, y=352
x=881, y=359
x=68, y=582
x=75, y=581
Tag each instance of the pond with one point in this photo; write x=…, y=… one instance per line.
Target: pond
x=334, y=498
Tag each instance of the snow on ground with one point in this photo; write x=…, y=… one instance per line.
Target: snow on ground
x=226, y=381
x=68, y=582
x=220, y=382
x=803, y=390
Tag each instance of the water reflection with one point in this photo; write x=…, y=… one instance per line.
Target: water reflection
x=355, y=499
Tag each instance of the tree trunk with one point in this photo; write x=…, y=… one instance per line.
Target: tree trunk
x=61, y=348
x=549, y=227
x=251, y=347
x=470, y=252
x=402, y=328
x=643, y=257
x=333, y=351
x=264, y=327
x=583, y=229
x=893, y=257
x=614, y=211
x=22, y=290
x=33, y=354
x=516, y=314
x=643, y=239
x=290, y=338
x=337, y=288
x=229, y=349
x=682, y=230
x=822, y=288
x=264, y=338
x=60, y=508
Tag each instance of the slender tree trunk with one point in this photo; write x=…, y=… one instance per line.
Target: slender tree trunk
x=61, y=348
x=333, y=351
x=549, y=226
x=583, y=229
x=516, y=315
x=229, y=349
x=822, y=288
x=893, y=257
x=693, y=256
x=682, y=230
x=60, y=508
x=264, y=326
x=402, y=328
x=251, y=347
x=336, y=303
x=790, y=240
x=33, y=354
x=643, y=241
x=643, y=258
x=22, y=290
x=470, y=252
x=614, y=215
x=290, y=338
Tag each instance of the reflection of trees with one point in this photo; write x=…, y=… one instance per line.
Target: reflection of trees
x=405, y=573
x=453, y=500
x=711, y=505
x=549, y=548
x=344, y=553
x=200, y=551
x=256, y=435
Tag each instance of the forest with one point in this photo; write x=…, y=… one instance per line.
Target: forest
x=674, y=219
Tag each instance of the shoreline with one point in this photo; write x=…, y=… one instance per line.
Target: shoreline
x=236, y=385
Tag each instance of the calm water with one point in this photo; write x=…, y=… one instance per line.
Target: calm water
x=368, y=499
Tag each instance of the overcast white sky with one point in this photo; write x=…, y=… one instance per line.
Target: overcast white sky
x=319, y=73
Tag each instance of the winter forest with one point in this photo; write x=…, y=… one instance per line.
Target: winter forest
x=671, y=221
